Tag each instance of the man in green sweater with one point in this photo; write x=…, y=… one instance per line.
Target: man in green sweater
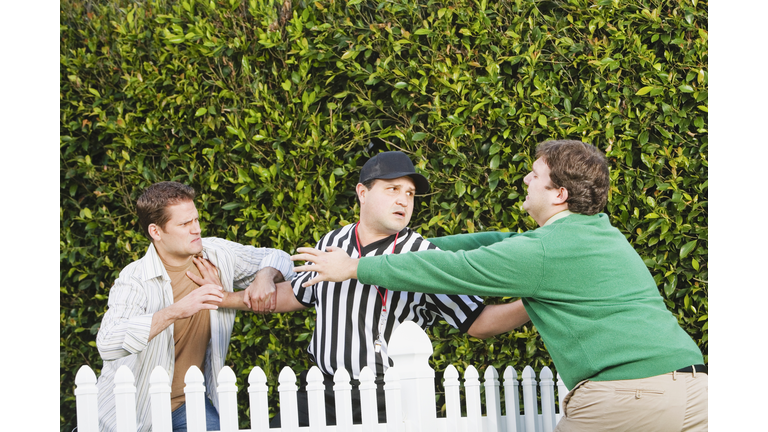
x=629, y=365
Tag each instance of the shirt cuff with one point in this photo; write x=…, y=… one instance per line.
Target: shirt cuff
x=137, y=334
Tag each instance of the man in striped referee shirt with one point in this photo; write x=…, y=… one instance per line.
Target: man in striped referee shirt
x=355, y=321
x=175, y=307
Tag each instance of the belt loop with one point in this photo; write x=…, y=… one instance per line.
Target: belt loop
x=674, y=375
x=694, y=370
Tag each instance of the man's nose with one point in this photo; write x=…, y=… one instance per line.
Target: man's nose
x=402, y=199
x=527, y=179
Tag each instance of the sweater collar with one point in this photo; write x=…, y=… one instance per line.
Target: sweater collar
x=558, y=216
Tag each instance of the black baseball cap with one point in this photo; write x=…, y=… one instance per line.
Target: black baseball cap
x=391, y=165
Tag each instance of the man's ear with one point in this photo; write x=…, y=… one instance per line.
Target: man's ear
x=154, y=232
x=562, y=196
x=361, y=191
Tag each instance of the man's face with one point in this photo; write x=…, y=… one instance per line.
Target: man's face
x=541, y=196
x=387, y=207
x=180, y=239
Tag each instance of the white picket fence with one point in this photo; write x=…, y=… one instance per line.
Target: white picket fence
x=409, y=395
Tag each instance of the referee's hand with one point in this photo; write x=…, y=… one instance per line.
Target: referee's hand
x=333, y=265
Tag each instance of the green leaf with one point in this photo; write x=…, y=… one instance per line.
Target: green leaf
x=495, y=162
x=670, y=286
x=644, y=90
x=460, y=188
x=231, y=206
x=418, y=136
x=643, y=138
x=687, y=248
x=201, y=111
x=401, y=84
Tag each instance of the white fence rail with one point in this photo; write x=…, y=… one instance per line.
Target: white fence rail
x=409, y=395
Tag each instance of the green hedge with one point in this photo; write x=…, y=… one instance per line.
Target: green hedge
x=266, y=108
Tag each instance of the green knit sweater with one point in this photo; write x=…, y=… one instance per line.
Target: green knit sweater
x=587, y=291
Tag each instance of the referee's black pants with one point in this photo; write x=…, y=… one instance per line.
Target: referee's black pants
x=330, y=402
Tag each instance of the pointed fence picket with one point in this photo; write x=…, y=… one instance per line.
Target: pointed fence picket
x=408, y=387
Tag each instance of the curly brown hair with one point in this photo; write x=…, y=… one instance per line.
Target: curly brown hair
x=152, y=205
x=581, y=169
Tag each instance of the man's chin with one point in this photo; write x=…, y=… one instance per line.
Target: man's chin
x=397, y=228
x=197, y=247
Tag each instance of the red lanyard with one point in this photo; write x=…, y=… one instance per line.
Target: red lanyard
x=360, y=253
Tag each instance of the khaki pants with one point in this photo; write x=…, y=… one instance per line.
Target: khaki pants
x=676, y=401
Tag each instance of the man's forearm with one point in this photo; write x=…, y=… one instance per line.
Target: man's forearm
x=497, y=319
x=234, y=300
x=285, y=299
x=207, y=297
x=161, y=320
x=459, y=242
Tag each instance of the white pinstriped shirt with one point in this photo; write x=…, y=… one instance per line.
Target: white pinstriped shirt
x=144, y=288
x=352, y=329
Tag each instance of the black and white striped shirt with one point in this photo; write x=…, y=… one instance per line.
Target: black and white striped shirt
x=350, y=316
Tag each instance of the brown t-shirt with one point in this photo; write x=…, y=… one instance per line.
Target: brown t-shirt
x=190, y=335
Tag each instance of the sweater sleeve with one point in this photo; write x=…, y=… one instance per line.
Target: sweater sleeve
x=459, y=242
x=512, y=267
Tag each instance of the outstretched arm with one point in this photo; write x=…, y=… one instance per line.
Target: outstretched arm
x=499, y=318
x=511, y=268
x=209, y=274
x=259, y=296
x=279, y=299
x=459, y=242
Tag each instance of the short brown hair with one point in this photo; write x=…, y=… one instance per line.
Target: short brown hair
x=581, y=169
x=153, y=203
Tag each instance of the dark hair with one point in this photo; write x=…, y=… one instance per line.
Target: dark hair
x=368, y=185
x=152, y=205
x=580, y=168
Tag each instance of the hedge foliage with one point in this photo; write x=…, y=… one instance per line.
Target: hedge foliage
x=266, y=108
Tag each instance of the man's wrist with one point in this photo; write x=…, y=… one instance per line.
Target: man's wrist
x=162, y=319
x=170, y=313
x=234, y=300
x=353, y=266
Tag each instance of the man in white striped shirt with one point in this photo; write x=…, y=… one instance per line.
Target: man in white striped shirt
x=355, y=321
x=175, y=307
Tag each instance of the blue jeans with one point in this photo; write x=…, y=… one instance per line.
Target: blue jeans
x=179, y=418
